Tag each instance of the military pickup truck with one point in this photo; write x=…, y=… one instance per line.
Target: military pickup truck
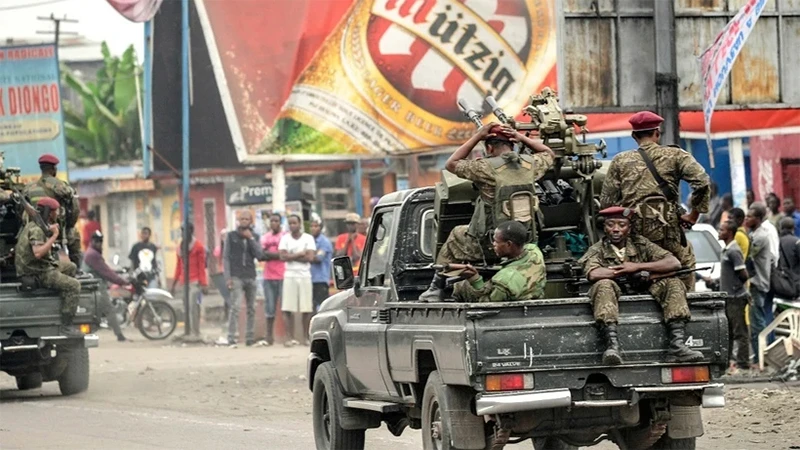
x=483, y=375
x=31, y=348
x=475, y=376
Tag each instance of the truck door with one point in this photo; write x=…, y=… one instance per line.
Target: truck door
x=367, y=316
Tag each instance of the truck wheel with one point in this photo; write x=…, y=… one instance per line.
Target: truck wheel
x=667, y=443
x=436, y=434
x=327, y=402
x=29, y=381
x=75, y=377
x=551, y=443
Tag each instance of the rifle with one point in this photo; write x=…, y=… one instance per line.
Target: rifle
x=639, y=281
x=452, y=267
x=33, y=214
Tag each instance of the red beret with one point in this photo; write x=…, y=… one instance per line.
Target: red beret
x=617, y=211
x=48, y=202
x=497, y=133
x=645, y=120
x=47, y=158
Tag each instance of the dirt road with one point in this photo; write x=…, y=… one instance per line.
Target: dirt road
x=155, y=395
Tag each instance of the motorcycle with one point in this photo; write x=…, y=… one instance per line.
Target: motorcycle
x=147, y=308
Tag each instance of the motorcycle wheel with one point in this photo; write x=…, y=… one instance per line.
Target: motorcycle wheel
x=156, y=320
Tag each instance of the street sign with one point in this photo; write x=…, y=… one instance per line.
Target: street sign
x=248, y=195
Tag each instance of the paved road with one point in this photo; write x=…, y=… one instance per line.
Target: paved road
x=148, y=395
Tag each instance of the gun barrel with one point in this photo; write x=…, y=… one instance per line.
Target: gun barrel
x=471, y=114
x=497, y=110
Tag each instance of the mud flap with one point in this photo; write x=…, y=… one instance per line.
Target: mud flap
x=686, y=422
x=466, y=429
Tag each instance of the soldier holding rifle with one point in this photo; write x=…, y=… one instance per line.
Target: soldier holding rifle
x=499, y=177
x=620, y=254
x=647, y=179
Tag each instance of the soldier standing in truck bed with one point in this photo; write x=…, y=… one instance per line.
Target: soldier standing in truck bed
x=505, y=181
x=647, y=180
x=50, y=186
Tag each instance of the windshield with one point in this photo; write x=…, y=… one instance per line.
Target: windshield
x=706, y=248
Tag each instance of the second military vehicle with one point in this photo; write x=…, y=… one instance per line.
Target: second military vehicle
x=484, y=375
x=32, y=349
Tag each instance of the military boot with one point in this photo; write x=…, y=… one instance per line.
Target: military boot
x=67, y=328
x=436, y=291
x=678, y=351
x=611, y=356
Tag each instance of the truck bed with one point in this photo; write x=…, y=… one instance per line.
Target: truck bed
x=38, y=312
x=557, y=339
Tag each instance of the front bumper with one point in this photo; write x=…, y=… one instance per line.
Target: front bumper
x=88, y=340
x=485, y=404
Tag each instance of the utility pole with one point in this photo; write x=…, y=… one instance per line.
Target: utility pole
x=666, y=71
x=57, y=32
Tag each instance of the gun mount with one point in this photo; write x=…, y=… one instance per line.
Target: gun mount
x=565, y=220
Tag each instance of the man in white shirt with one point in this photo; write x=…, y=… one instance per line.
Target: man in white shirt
x=297, y=249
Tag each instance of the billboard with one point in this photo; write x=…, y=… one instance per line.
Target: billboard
x=367, y=78
x=31, y=120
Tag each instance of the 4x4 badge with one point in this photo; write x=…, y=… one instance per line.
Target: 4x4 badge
x=692, y=342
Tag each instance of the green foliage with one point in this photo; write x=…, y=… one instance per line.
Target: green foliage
x=108, y=129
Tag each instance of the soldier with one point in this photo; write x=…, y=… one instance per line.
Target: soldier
x=50, y=186
x=36, y=261
x=647, y=180
x=521, y=278
x=501, y=176
x=620, y=254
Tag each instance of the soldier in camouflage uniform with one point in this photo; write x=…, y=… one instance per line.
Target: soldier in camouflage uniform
x=35, y=260
x=629, y=183
x=521, y=278
x=50, y=186
x=499, y=177
x=620, y=254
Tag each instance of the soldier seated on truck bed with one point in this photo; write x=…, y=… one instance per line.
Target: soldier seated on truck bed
x=505, y=181
x=619, y=254
x=38, y=266
x=521, y=278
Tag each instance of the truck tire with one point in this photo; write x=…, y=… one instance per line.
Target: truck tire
x=29, y=381
x=327, y=403
x=667, y=443
x=551, y=443
x=75, y=377
x=436, y=434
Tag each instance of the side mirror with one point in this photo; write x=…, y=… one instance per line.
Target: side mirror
x=343, y=277
x=115, y=259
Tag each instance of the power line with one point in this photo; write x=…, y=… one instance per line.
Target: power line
x=30, y=5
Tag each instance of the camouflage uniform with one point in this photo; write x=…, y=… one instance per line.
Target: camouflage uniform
x=48, y=271
x=48, y=186
x=670, y=292
x=465, y=242
x=522, y=278
x=630, y=184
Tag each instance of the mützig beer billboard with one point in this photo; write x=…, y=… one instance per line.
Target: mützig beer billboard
x=323, y=79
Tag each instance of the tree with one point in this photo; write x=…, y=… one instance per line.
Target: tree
x=107, y=130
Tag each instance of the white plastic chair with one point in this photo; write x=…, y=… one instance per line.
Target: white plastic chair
x=787, y=326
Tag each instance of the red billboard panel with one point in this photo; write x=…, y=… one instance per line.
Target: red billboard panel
x=356, y=78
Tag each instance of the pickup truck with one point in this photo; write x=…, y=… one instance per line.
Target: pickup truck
x=31, y=347
x=483, y=375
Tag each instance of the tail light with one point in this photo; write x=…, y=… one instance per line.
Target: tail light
x=85, y=328
x=509, y=382
x=690, y=374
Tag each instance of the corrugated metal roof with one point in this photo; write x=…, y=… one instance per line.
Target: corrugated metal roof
x=97, y=173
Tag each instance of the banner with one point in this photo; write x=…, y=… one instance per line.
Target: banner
x=31, y=120
x=359, y=78
x=717, y=60
x=136, y=10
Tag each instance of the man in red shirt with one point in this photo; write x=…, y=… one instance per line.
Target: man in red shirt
x=351, y=243
x=91, y=227
x=198, y=279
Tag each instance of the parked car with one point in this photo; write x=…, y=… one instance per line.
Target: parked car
x=707, y=250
